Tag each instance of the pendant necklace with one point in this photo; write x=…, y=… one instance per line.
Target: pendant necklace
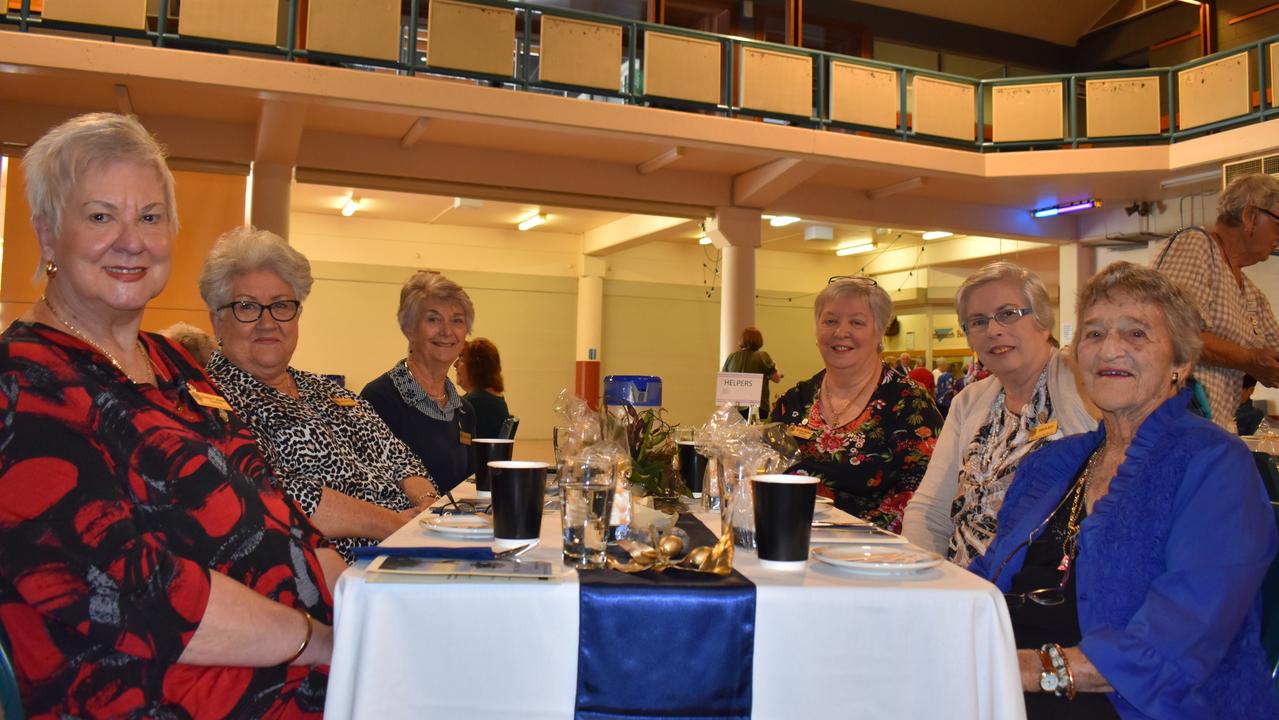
x=118, y=366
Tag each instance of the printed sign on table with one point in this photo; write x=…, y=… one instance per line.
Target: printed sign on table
x=738, y=388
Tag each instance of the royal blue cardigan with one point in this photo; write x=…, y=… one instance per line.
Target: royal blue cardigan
x=1170, y=563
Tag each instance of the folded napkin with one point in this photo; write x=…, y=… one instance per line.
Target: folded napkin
x=424, y=552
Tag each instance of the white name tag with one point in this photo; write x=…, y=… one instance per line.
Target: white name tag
x=738, y=388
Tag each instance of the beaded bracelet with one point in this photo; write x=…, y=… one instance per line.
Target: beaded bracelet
x=1065, y=678
x=310, y=629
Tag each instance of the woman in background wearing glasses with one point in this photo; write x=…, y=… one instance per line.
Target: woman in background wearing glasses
x=865, y=431
x=1030, y=398
x=331, y=452
x=1138, y=547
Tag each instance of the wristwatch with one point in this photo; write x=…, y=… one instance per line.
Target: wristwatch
x=1049, y=680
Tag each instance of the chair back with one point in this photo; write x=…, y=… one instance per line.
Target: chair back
x=1270, y=612
x=10, y=700
x=1266, y=465
x=509, y=426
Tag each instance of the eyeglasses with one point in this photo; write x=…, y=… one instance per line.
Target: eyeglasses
x=247, y=311
x=1047, y=597
x=856, y=278
x=1004, y=316
x=1272, y=215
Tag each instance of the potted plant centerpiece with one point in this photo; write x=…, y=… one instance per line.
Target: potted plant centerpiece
x=651, y=441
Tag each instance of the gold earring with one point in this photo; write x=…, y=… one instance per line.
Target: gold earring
x=1175, y=378
x=50, y=268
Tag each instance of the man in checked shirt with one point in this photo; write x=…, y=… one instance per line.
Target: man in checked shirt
x=1239, y=332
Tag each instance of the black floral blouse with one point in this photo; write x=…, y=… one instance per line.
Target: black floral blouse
x=873, y=463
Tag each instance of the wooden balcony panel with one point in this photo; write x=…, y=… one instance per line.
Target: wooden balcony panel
x=1025, y=112
x=776, y=82
x=864, y=95
x=131, y=14
x=1212, y=92
x=477, y=38
x=683, y=68
x=576, y=52
x=369, y=28
x=1119, y=107
x=248, y=21
x=944, y=108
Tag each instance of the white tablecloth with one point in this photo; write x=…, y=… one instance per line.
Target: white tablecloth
x=827, y=644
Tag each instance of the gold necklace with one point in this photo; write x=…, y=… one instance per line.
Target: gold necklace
x=118, y=366
x=837, y=414
x=421, y=377
x=1070, y=544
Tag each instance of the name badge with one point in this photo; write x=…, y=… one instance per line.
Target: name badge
x=1044, y=430
x=800, y=432
x=464, y=437
x=345, y=401
x=209, y=400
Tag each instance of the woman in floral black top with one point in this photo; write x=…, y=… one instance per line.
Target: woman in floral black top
x=866, y=432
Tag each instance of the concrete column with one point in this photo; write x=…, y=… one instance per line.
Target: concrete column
x=590, y=329
x=735, y=232
x=269, y=202
x=1076, y=264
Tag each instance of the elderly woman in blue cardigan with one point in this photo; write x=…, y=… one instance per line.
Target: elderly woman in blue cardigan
x=1131, y=556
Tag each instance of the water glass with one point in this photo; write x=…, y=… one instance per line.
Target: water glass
x=586, y=497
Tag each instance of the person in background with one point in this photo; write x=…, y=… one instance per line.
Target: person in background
x=1240, y=333
x=416, y=398
x=904, y=365
x=867, y=433
x=479, y=372
x=923, y=377
x=148, y=565
x=1131, y=556
x=331, y=452
x=192, y=339
x=751, y=358
x=1248, y=416
x=946, y=388
x=1030, y=399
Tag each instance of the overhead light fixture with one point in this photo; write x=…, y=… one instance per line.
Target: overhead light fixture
x=937, y=234
x=703, y=239
x=814, y=233
x=857, y=248
x=782, y=220
x=1066, y=208
x=1195, y=179
x=532, y=221
x=352, y=204
x=1193, y=2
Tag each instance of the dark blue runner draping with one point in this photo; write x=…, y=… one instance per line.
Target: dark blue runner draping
x=670, y=645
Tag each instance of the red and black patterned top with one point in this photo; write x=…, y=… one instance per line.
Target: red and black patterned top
x=115, y=502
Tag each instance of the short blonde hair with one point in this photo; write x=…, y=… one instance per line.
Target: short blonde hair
x=54, y=163
x=1255, y=190
x=1142, y=284
x=247, y=249
x=881, y=304
x=424, y=287
x=1032, y=289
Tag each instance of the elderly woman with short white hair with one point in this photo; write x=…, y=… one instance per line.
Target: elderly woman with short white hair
x=1031, y=398
x=416, y=398
x=331, y=452
x=867, y=432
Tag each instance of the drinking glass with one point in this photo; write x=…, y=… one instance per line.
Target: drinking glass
x=586, y=497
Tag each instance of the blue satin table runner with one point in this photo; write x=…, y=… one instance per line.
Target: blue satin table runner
x=665, y=645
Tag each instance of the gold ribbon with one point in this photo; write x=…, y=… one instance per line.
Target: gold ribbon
x=716, y=559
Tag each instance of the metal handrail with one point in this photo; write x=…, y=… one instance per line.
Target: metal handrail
x=631, y=90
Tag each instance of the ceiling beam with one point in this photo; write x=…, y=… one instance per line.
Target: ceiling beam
x=895, y=188
x=280, y=126
x=630, y=231
x=654, y=164
x=414, y=133
x=123, y=103
x=763, y=185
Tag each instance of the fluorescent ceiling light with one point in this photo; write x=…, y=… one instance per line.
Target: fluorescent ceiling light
x=1196, y=179
x=857, y=249
x=937, y=234
x=352, y=204
x=703, y=239
x=783, y=220
x=1066, y=208
x=1192, y=2
x=532, y=221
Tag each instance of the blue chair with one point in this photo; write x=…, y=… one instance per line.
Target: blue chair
x=10, y=701
x=509, y=426
x=1270, y=612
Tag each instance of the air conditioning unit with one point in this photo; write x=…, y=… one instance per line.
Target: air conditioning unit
x=1267, y=164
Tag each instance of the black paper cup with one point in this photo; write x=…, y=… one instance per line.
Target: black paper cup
x=519, y=490
x=783, y=519
x=692, y=467
x=485, y=451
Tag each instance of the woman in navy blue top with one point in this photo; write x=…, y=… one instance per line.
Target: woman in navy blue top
x=415, y=398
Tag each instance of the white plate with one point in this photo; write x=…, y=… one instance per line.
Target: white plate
x=460, y=525
x=877, y=559
x=837, y=536
x=824, y=503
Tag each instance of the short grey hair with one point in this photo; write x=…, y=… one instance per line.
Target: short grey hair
x=192, y=339
x=1256, y=190
x=54, y=163
x=245, y=250
x=424, y=287
x=1033, y=290
x=1134, y=283
x=881, y=304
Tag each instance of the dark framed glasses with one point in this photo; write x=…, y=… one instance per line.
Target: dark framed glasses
x=1272, y=215
x=857, y=278
x=1004, y=316
x=1047, y=597
x=247, y=311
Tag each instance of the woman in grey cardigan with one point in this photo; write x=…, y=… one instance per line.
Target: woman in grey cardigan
x=1030, y=398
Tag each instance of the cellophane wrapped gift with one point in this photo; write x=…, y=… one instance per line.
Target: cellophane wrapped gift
x=588, y=438
x=738, y=451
